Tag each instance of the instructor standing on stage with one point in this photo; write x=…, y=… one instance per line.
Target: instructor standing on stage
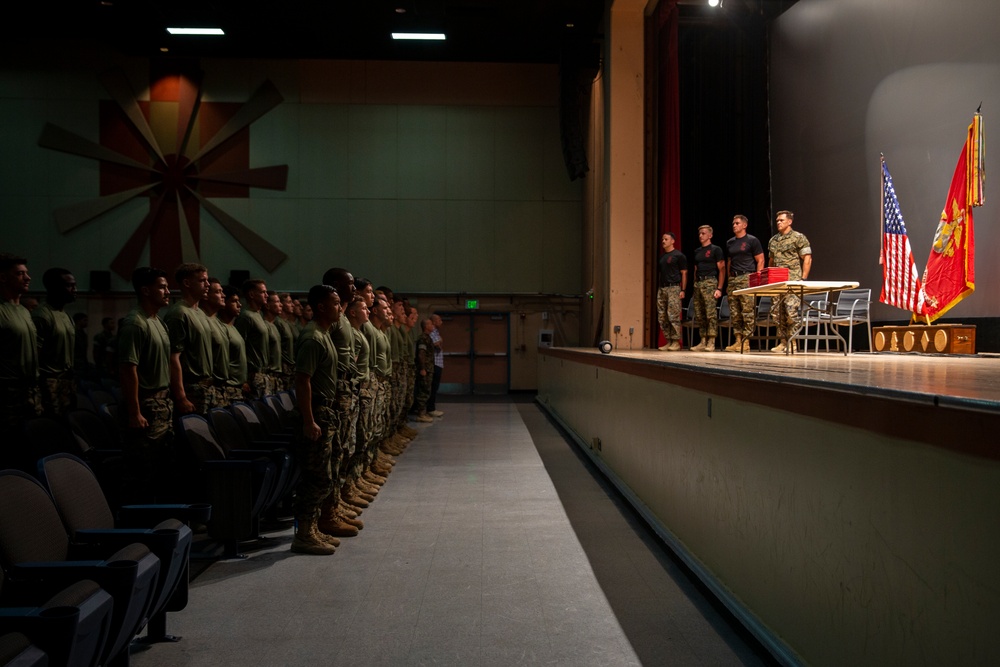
x=788, y=249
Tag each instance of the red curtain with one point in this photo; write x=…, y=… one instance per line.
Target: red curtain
x=668, y=112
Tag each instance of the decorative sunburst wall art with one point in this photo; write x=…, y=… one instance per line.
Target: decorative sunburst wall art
x=178, y=152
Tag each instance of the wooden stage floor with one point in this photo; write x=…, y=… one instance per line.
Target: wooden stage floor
x=971, y=381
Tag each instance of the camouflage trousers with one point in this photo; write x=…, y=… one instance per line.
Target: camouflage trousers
x=318, y=461
x=422, y=390
x=397, y=388
x=58, y=395
x=411, y=386
x=149, y=453
x=668, y=310
x=742, y=311
x=359, y=458
x=787, y=315
x=230, y=394
x=347, y=413
x=381, y=412
x=263, y=384
x=203, y=397
x=706, y=312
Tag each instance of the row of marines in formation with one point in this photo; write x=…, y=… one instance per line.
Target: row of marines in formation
x=354, y=368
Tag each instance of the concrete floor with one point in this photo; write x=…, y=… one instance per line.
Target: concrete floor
x=493, y=543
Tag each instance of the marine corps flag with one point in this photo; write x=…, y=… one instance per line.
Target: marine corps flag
x=950, y=275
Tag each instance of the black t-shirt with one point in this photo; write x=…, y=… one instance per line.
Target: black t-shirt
x=706, y=260
x=741, y=254
x=671, y=265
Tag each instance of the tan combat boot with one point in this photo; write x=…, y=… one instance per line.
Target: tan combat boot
x=700, y=347
x=780, y=347
x=674, y=345
x=425, y=418
x=329, y=539
x=735, y=347
x=306, y=541
x=710, y=344
x=337, y=526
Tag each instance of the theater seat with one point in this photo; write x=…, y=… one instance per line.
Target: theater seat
x=237, y=483
x=68, y=628
x=36, y=553
x=88, y=518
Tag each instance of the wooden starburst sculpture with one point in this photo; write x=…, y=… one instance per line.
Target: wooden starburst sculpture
x=178, y=168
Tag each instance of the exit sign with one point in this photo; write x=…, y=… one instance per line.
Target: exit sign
x=472, y=304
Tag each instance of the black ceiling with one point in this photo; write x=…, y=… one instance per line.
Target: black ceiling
x=478, y=30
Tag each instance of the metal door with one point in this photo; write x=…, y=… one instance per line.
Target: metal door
x=476, y=353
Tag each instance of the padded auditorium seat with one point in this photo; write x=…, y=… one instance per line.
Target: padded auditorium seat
x=69, y=627
x=35, y=551
x=87, y=517
x=238, y=484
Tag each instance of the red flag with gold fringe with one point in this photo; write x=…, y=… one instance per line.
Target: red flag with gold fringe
x=950, y=275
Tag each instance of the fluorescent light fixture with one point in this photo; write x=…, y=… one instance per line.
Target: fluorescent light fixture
x=418, y=35
x=195, y=31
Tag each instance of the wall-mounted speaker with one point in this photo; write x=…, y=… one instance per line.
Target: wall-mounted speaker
x=238, y=276
x=100, y=281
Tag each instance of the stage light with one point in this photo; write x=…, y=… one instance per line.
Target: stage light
x=604, y=346
x=419, y=35
x=715, y=3
x=196, y=31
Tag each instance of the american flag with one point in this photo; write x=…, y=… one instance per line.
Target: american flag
x=900, y=281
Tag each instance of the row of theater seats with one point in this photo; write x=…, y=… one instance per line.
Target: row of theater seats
x=67, y=502
x=77, y=583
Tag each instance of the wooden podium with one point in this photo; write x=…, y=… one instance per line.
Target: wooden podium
x=931, y=339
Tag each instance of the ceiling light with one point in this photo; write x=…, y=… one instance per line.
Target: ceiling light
x=714, y=3
x=418, y=35
x=195, y=31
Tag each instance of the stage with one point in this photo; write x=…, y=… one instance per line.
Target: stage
x=844, y=507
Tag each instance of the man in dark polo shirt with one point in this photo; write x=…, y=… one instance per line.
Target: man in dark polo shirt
x=709, y=275
x=672, y=284
x=144, y=368
x=744, y=255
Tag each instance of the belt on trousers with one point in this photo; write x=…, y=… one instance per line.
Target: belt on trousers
x=737, y=275
x=708, y=278
x=152, y=393
x=671, y=285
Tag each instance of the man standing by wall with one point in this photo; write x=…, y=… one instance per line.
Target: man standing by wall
x=744, y=255
x=19, y=398
x=709, y=276
x=788, y=249
x=672, y=284
x=56, y=343
x=438, y=341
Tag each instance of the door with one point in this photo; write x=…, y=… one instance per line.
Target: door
x=476, y=353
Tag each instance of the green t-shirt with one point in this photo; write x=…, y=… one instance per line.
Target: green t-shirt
x=371, y=335
x=382, y=354
x=253, y=328
x=191, y=335
x=220, y=349
x=288, y=336
x=273, y=347
x=364, y=353
x=18, y=344
x=237, y=355
x=144, y=343
x=56, y=339
x=343, y=340
x=316, y=356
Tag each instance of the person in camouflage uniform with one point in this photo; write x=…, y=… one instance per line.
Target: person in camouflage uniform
x=744, y=255
x=672, y=285
x=424, y=371
x=709, y=276
x=788, y=249
x=382, y=374
x=144, y=367
x=19, y=398
x=56, y=343
x=237, y=388
x=317, y=450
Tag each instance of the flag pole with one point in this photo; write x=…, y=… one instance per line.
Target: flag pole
x=881, y=208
